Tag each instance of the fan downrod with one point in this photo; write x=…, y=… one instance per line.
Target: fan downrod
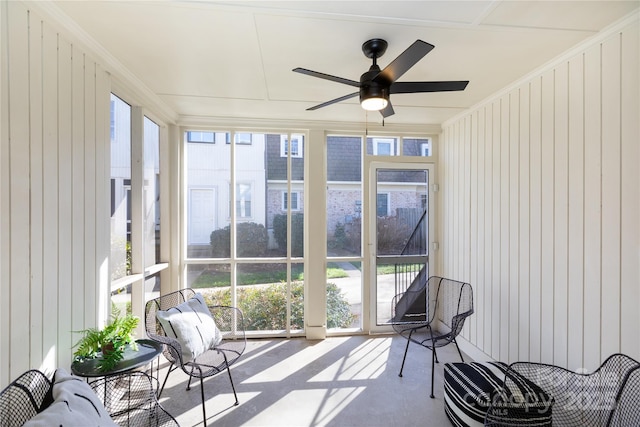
x=374, y=48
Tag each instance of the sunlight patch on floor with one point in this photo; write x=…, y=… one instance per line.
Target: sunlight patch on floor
x=319, y=408
x=367, y=361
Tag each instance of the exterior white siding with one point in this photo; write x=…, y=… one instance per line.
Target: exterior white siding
x=540, y=209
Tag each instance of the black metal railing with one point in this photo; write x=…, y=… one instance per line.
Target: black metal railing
x=408, y=273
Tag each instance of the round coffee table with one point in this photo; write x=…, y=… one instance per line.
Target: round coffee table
x=147, y=351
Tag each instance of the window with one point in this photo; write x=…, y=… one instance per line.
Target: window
x=243, y=200
x=384, y=146
x=297, y=142
x=203, y=137
x=243, y=138
x=120, y=188
x=416, y=146
x=382, y=204
x=295, y=197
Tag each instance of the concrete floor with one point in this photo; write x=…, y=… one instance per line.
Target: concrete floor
x=337, y=382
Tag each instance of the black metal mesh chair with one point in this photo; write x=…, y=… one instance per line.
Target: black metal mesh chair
x=231, y=324
x=432, y=315
x=609, y=396
x=131, y=401
x=24, y=398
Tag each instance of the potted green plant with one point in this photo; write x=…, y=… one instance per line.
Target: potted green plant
x=109, y=343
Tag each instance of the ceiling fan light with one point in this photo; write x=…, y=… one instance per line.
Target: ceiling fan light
x=374, y=103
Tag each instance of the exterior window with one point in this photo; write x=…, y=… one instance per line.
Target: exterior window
x=243, y=200
x=382, y=204
x=384, y=146
x=243, y=138
x=203, y=137
x=120, y=187
x=425, y=149
x=296, y=145
x=295, y=197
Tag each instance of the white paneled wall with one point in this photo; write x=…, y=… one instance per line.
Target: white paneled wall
x=54, y=193
x=540, y=208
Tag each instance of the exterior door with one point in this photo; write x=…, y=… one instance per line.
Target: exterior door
x=399, y=246
x=202, y=215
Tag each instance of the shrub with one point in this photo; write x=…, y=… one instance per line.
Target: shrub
x=251, y=240
x=264, y=307
x=297, y=233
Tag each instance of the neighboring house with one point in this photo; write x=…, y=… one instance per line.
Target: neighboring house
x=263, y=174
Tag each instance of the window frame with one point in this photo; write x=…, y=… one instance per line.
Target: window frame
x=284, y=200
x=392, y=142
x=298, y=139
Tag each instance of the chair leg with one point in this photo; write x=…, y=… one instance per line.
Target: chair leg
x=172, y=367
x=233, y=387
x=459, y=352
x=231, y=379
x=191, y=377
x=433, y=369
x=406, y=348
x=204, y=411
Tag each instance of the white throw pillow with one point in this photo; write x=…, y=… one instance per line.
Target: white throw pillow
x=192, y=325
x=75, y=404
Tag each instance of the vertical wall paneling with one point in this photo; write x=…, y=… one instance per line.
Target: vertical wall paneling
x=504, y=227
x=18, y=37
x=524, y=230
x=37, y=181
x=466, y=256
x=50, y=195
x=495, y=230
x=560, y=214
x=630, y=192
x=482, y=311
x=64, y=201
x=77, y=190
x=90, y=159
x=490, y=280
x=54, y=193
x=473, y=210
x=592, y=207
x=513, y=139
x=535, y=217
x=575, y=230
x=4, y=203
x=554, y=209
x=547, y=179
x=610, y=152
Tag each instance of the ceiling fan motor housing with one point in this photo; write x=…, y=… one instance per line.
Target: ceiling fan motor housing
x=370, y=88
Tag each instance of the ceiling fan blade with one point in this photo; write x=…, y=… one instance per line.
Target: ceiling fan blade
x=404, y=61
x=416, y=87
x=327, y=77
x=387, y=111
x=333, y=101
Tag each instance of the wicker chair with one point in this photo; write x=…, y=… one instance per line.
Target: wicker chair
x=26, y=396
x=213, y=361
x=432, y=315
x=129, y=400
x=606, y=397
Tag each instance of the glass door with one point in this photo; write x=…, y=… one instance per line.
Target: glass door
x=399, y=202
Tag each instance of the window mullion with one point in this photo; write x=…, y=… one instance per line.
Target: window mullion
x=137, y=211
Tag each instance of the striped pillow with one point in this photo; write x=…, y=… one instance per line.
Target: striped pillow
x=192, y=325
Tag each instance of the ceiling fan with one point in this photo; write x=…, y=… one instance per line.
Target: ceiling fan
x=376, y=85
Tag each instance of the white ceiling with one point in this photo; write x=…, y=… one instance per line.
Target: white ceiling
x=234, y=58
